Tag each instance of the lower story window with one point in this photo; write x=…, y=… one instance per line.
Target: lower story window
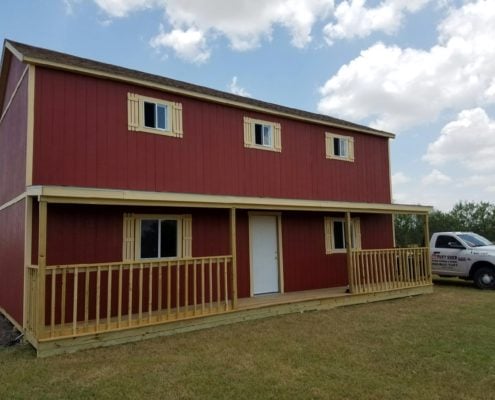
x=335, y=237
x=159, y=238
x=150, y=236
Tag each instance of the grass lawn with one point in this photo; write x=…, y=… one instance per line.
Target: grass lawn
x=439, y=346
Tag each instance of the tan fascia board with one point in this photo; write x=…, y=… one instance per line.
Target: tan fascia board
x=14, y=51
x=78, y=195
x=189, y=93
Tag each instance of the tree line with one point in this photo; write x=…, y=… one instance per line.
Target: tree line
x=464, y=216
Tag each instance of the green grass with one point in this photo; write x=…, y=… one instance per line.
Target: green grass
x=439, y=346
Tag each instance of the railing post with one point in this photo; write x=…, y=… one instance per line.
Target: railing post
x=42, y=223
x=348, y=245
x=233, y=252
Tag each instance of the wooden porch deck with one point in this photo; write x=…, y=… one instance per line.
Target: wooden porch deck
x=262, y=306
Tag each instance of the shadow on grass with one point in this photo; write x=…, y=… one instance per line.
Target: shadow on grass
x=453, y=282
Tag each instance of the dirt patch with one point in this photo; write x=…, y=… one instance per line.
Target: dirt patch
x=9, y=335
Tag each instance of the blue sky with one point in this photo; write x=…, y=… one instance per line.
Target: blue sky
x=423, y=69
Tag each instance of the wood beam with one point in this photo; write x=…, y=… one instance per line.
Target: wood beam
x=233, y=252
x=348, y=245
x=42, y=223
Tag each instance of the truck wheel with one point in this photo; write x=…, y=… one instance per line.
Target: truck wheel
x=484, y=278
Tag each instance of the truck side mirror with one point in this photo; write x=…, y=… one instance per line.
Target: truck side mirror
x=456, y=245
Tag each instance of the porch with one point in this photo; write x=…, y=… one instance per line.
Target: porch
x=74, y=306
x=104, y=304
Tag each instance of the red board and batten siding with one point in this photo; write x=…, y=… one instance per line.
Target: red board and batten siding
x=12, y=259
x=15, y=71
x=81, y=139
x=13, y=133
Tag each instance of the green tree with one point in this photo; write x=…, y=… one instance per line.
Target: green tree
x=464, y=216
x=408, y=230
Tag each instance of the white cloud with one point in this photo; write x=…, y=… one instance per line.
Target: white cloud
x=354, y=19
x=122, y=8
x=190, y=45
x=245, y=23
x=436, y=177
x=236, y=89
x=400, y=178
x=400, y=88
x=469, y=140
x=465, y=152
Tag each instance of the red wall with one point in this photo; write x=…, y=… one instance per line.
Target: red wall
x=12, y=259
x=92, y=234
x=13, y=131
x=81, y=139
x=16, y=68
x=306, y=265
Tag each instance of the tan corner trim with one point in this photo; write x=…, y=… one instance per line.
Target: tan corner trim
x=13, y=201
x=390, y=171
x=12, y=96
x=14, y=51
x=78, y=195
x=28, y=237
x=189, y=93
x=11, y=319
x=30, y=126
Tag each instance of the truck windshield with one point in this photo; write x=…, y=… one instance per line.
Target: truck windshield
x=475, y=240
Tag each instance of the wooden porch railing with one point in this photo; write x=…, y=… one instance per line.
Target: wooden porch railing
x=93, y=298
x=381, y=270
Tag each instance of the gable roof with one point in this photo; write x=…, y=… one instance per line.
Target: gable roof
x=53, y=59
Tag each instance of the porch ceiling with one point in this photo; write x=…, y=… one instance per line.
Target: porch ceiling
x=80, y=195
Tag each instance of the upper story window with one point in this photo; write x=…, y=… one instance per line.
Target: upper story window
x=335, y=237
x=146, y=114
x=339, y=147
x=156, y=116
x=263, y=135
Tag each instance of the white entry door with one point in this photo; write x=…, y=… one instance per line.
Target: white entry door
x=264, y=254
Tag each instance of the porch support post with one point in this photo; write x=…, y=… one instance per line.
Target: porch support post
x=427, y=243
x=233, y=252
x=426, y=231
x=42, y=222
x=348, y=245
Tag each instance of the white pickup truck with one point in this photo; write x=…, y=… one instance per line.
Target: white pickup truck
x=465, y=255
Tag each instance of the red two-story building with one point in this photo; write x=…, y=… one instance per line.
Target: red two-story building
x=134, y=205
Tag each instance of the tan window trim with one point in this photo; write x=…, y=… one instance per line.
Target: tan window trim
x=249, y=134
x=329, y=147
x=131, y=248
x=135, y=115
x=329, y=235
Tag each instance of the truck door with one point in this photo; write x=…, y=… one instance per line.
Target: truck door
x=448, y=256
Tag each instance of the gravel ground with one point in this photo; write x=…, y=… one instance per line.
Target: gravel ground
x=8, y=333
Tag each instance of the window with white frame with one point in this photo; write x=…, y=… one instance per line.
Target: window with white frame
x=156, y=115
x=147, y=114
x=339, y=147
x=335, y=237
x=264, y=135
x=149, y=237
x=159, y=238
